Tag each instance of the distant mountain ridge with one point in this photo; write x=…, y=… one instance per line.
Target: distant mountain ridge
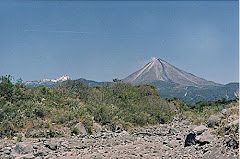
x=92, y=83
x=59, y=81
x=169, y=81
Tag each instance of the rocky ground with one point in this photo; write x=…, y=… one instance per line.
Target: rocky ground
x=179, y=139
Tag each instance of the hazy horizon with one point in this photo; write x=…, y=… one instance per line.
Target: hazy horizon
x=105, y=40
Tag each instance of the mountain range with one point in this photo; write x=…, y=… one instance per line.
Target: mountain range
x=59, y=81
x=169, y=81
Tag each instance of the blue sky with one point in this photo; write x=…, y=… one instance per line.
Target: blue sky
x=106, y=40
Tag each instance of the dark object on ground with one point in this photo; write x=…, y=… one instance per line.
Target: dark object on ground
x=232, y=143
x=190, y=140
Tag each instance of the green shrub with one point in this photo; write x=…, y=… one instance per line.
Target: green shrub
x=6, y=129
x=52, y=133
x=75, y=131
x=19, y=138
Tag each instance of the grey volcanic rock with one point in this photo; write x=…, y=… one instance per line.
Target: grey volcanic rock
x=160, y=70
x=81, y=128
x=214, y=120
x=200, y=129
x=225, y=112
x=230, y=125
x=204, y=138
x=172, y=131
x=22, y=148
x=52, y=145
x=200, y=135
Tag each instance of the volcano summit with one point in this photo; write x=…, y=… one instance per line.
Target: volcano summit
x=160, y=70
x=173, y=82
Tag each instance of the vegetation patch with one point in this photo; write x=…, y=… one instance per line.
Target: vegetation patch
x=114, y=104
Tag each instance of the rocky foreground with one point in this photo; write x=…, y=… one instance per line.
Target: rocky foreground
x=179, y=139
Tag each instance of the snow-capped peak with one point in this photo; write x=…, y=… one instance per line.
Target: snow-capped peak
x=62, y=78
x=46, y=80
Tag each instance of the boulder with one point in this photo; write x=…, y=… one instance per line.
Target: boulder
x=22, y=148
x=225, y=112
x=172, y=131
x=81, y=129
x=200, y=129
x=235, y=122
x=214, y=120
x=232, y=124
x=204, y=138
x=52, y=146
x=200, y=135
